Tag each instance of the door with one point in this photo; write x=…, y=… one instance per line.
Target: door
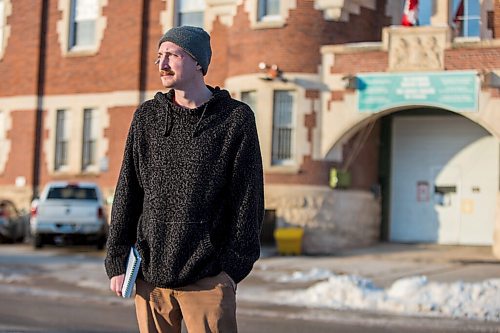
x=444, y=181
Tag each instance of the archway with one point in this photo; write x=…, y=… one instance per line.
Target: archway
x=438, y=173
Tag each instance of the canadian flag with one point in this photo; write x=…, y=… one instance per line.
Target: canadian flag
x=459, y=14
x=410, y=13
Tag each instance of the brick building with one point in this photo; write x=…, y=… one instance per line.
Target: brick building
x=368, y=130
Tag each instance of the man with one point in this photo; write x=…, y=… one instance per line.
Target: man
x=189, y=196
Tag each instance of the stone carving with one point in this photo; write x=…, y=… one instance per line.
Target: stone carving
x=416, y=52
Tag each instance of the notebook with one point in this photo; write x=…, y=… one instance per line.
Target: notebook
x=133, y=264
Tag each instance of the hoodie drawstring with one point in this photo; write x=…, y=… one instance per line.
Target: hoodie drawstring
x=199, y=120
x=168, y=124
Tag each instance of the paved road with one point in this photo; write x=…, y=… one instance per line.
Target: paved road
x=65, y=290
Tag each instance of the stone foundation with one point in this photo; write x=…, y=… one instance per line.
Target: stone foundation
x=332, y=219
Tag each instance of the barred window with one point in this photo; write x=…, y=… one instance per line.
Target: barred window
x=62, y=139
x=283, y=127
x=82, y=24
x=191, y=12
x=89, y=141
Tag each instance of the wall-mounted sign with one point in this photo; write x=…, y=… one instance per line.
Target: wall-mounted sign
x=454, y=90
x=423, y=194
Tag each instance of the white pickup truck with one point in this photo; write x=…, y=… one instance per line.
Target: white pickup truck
x=69, y=212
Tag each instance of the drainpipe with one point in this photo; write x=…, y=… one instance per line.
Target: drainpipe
x=144, y=52
x=40, y=90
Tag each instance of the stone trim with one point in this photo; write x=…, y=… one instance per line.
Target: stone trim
x=300, y=84
x=340, y=10
x=75, y=104
x=5, y=142
x=6, y=28
x=330, y=218
x=167, y=15
x=225, y=10
x=63, y=30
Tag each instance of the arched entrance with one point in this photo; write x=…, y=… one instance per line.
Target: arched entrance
x=439, y=176
x=444, y=176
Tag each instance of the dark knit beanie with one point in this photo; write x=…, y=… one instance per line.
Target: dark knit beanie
x=195, y=41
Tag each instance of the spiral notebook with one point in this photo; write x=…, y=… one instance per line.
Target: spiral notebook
x=133, y=264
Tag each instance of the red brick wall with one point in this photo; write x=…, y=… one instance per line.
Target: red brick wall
x=18, y=67
x=20, y=157
x=120, y=118
x=359, y=62
x=154, y=34
x=364, y=167
x=116, y=65
x=295, y=47
x=465, y=58
x=496, y=19
x=218, y=70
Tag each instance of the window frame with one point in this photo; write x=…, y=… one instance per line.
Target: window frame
x=277, y=158
x=263, y=15
x=178, y=14
x=73, y=27
x=89, y=139
x=4, y=26
x=461, y=28
x=61, y=140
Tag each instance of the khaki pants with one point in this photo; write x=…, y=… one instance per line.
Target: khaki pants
x=208, y=305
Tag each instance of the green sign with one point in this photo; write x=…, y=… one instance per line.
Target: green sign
x=457, y=91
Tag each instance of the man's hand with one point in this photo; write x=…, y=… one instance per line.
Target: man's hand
x=116, y=284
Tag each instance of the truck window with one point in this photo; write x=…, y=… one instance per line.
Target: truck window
x=71, y=192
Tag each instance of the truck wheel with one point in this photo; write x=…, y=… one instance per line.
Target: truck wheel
x=37, y=241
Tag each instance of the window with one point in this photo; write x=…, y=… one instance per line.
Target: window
x=190, y=12
x=283, y=127
x=268, y=10
x=82, y=23
x=72, y=192
x=425, y=9
x=62, y=135
x=89, y=141
x=466, y=18
x=249, y=98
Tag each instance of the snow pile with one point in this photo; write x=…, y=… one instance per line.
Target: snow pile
x=12, y=277
x=412, y=296
x=315, y=274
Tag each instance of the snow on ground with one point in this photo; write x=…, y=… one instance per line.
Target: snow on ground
x=412, y=296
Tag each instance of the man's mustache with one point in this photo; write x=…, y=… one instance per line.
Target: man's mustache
x=166, y=72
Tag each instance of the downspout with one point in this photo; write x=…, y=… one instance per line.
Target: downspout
x=144, y=52
x=40, y=91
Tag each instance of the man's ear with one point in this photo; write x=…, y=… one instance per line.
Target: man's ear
x=198, y=66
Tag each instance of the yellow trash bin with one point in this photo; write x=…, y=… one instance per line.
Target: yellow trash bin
x=289, y=240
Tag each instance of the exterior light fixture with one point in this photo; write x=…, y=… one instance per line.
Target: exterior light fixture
x=271, y=72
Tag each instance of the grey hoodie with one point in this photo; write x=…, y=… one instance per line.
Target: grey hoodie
x=190, y=192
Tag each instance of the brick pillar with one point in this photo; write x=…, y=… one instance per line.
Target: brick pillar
x=496, y=19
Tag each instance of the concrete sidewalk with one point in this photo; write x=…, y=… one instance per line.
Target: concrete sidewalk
x=386, y=262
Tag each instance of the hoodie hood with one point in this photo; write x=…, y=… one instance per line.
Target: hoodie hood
x=172, y=109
